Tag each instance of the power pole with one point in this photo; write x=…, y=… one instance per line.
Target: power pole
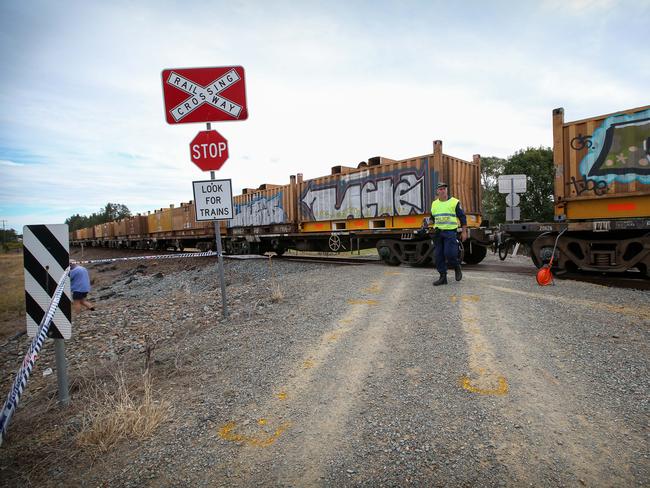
x=4, y=233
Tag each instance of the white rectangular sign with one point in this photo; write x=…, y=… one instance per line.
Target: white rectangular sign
x=513, y=213
x=213, y=200
x=512, y=183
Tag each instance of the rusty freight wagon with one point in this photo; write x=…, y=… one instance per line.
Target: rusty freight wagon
x=380, y=203
x=602, y=195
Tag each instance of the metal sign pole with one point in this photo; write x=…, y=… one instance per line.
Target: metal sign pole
x=217, y=236
x=60, y=362
x=512, y=192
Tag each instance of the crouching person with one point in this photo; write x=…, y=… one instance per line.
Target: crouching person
x=80, y=286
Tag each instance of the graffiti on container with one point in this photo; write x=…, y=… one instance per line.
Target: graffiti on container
x=259, y=211
x=599, y=187
x=580, y=142
x=366, y=197
x=620, y=149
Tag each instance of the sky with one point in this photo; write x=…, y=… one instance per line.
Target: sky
x=82, y=120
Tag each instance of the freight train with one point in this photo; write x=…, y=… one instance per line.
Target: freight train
x=601, y=196
x=381, y=203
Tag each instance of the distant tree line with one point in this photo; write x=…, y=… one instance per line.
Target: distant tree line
x=537, y=203
x=8, y=235
x=109, y=213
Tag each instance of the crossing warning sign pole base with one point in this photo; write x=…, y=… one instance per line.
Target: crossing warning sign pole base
x=61, y=372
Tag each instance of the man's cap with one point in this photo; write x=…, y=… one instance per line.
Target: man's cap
x=442, y=185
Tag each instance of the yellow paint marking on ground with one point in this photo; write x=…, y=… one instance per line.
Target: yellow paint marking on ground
x=465, y=298
x=392, y=273
x=308, y=364
x=373, y=288
x=227, y=434
x=281, y=395
x=635, y=311
x=354, y=301
x=502, y=389
x=484, y=378
x=346, y=321
x=332, y=337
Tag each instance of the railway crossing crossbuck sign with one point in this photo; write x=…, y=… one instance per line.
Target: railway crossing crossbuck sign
x=204, y=94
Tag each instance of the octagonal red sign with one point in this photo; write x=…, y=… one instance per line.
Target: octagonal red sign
x=209, y=150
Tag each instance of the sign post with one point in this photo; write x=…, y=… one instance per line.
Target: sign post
x=46, y=257
x=215, y=94
x=213, y=201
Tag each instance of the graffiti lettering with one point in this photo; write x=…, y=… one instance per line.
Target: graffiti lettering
x=262, y=211
x=580, y=142
x=599, y=187
x=366, y=198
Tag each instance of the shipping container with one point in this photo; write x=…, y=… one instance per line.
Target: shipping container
x=387, y=193
x=265, y=206
x=121, y=228
x=137, y=226
x=602, y=165
x=160, y=220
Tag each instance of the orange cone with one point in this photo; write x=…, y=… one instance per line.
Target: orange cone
x=544, y=276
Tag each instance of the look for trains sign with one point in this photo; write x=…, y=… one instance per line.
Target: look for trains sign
x=204, y=94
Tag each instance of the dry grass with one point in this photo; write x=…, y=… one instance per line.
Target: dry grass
x=113, y=417
x=12, y=294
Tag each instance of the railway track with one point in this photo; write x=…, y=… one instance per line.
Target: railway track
x=619, y=280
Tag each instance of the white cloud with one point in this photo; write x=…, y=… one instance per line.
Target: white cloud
x=5, y=162
x=84, y=106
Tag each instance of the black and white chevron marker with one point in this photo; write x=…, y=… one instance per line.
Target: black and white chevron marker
x=46, y=257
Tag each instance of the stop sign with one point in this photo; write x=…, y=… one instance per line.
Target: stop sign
x=209, y=150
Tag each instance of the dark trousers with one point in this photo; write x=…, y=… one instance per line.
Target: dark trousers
x=446, y=250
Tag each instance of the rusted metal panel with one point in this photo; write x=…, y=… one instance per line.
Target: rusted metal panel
x=264, y=207
x=160, y=220
x=602, y=158
x=108, y=230
x=388, y=188
x=99, y=231
x=184, y=221
x=120, y=228
x=137, y=226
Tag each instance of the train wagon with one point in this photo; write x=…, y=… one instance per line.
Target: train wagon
x=380, y=203
x=601, y=195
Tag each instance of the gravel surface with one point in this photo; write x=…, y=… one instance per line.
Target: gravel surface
x=358, y=376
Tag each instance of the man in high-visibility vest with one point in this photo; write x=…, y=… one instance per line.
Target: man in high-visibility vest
x=446, y=212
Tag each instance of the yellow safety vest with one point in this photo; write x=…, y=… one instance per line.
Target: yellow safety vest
x=444, y=214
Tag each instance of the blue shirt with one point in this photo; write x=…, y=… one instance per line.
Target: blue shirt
x=461, y=214
x=79, y=280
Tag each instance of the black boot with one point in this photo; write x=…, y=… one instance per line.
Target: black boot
x=458, y=272
x=442, y=280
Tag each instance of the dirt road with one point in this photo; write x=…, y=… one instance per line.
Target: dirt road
x=368, y=376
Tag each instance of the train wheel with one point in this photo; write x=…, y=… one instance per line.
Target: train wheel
x=475, y=254
x=334, y=243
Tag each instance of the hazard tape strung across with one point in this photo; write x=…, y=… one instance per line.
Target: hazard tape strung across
x=161, y=256
x=30, y=358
